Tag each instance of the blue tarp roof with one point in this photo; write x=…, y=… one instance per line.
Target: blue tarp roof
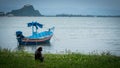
x=36, y=24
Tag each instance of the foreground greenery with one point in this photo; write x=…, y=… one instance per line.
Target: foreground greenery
x=21, y=59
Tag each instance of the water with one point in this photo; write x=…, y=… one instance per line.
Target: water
x=76, y=34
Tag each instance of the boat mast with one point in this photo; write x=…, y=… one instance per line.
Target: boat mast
x=32, y=29
x=36, y=30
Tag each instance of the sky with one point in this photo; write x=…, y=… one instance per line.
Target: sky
x=76, y=7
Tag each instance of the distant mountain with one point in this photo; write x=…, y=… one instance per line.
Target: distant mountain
x=70, y=15
x=27, y=10
x=2, y=14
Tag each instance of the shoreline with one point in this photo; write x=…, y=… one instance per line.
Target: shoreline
x=66, y=16
x=74, y=60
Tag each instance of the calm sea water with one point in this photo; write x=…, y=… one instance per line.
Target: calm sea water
x=76, y=34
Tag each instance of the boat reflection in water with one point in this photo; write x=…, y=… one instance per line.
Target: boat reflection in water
x=32, y=48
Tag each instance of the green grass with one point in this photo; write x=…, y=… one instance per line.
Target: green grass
x=21, y=59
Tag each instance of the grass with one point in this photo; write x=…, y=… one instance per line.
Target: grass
x=21, y=59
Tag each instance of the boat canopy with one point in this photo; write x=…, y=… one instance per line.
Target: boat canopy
x=36, y=24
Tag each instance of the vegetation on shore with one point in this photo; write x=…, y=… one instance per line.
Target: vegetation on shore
x=21, y=59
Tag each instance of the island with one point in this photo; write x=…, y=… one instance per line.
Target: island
x=26, y=10
x=2, y=14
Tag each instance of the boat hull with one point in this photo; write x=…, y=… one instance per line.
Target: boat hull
x=27, y=41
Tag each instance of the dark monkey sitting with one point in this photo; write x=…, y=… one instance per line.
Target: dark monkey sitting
x=38, y=54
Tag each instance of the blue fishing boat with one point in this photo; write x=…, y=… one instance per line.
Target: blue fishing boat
x=36, y=38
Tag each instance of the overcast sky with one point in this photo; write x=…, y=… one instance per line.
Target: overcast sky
x=52, y=7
